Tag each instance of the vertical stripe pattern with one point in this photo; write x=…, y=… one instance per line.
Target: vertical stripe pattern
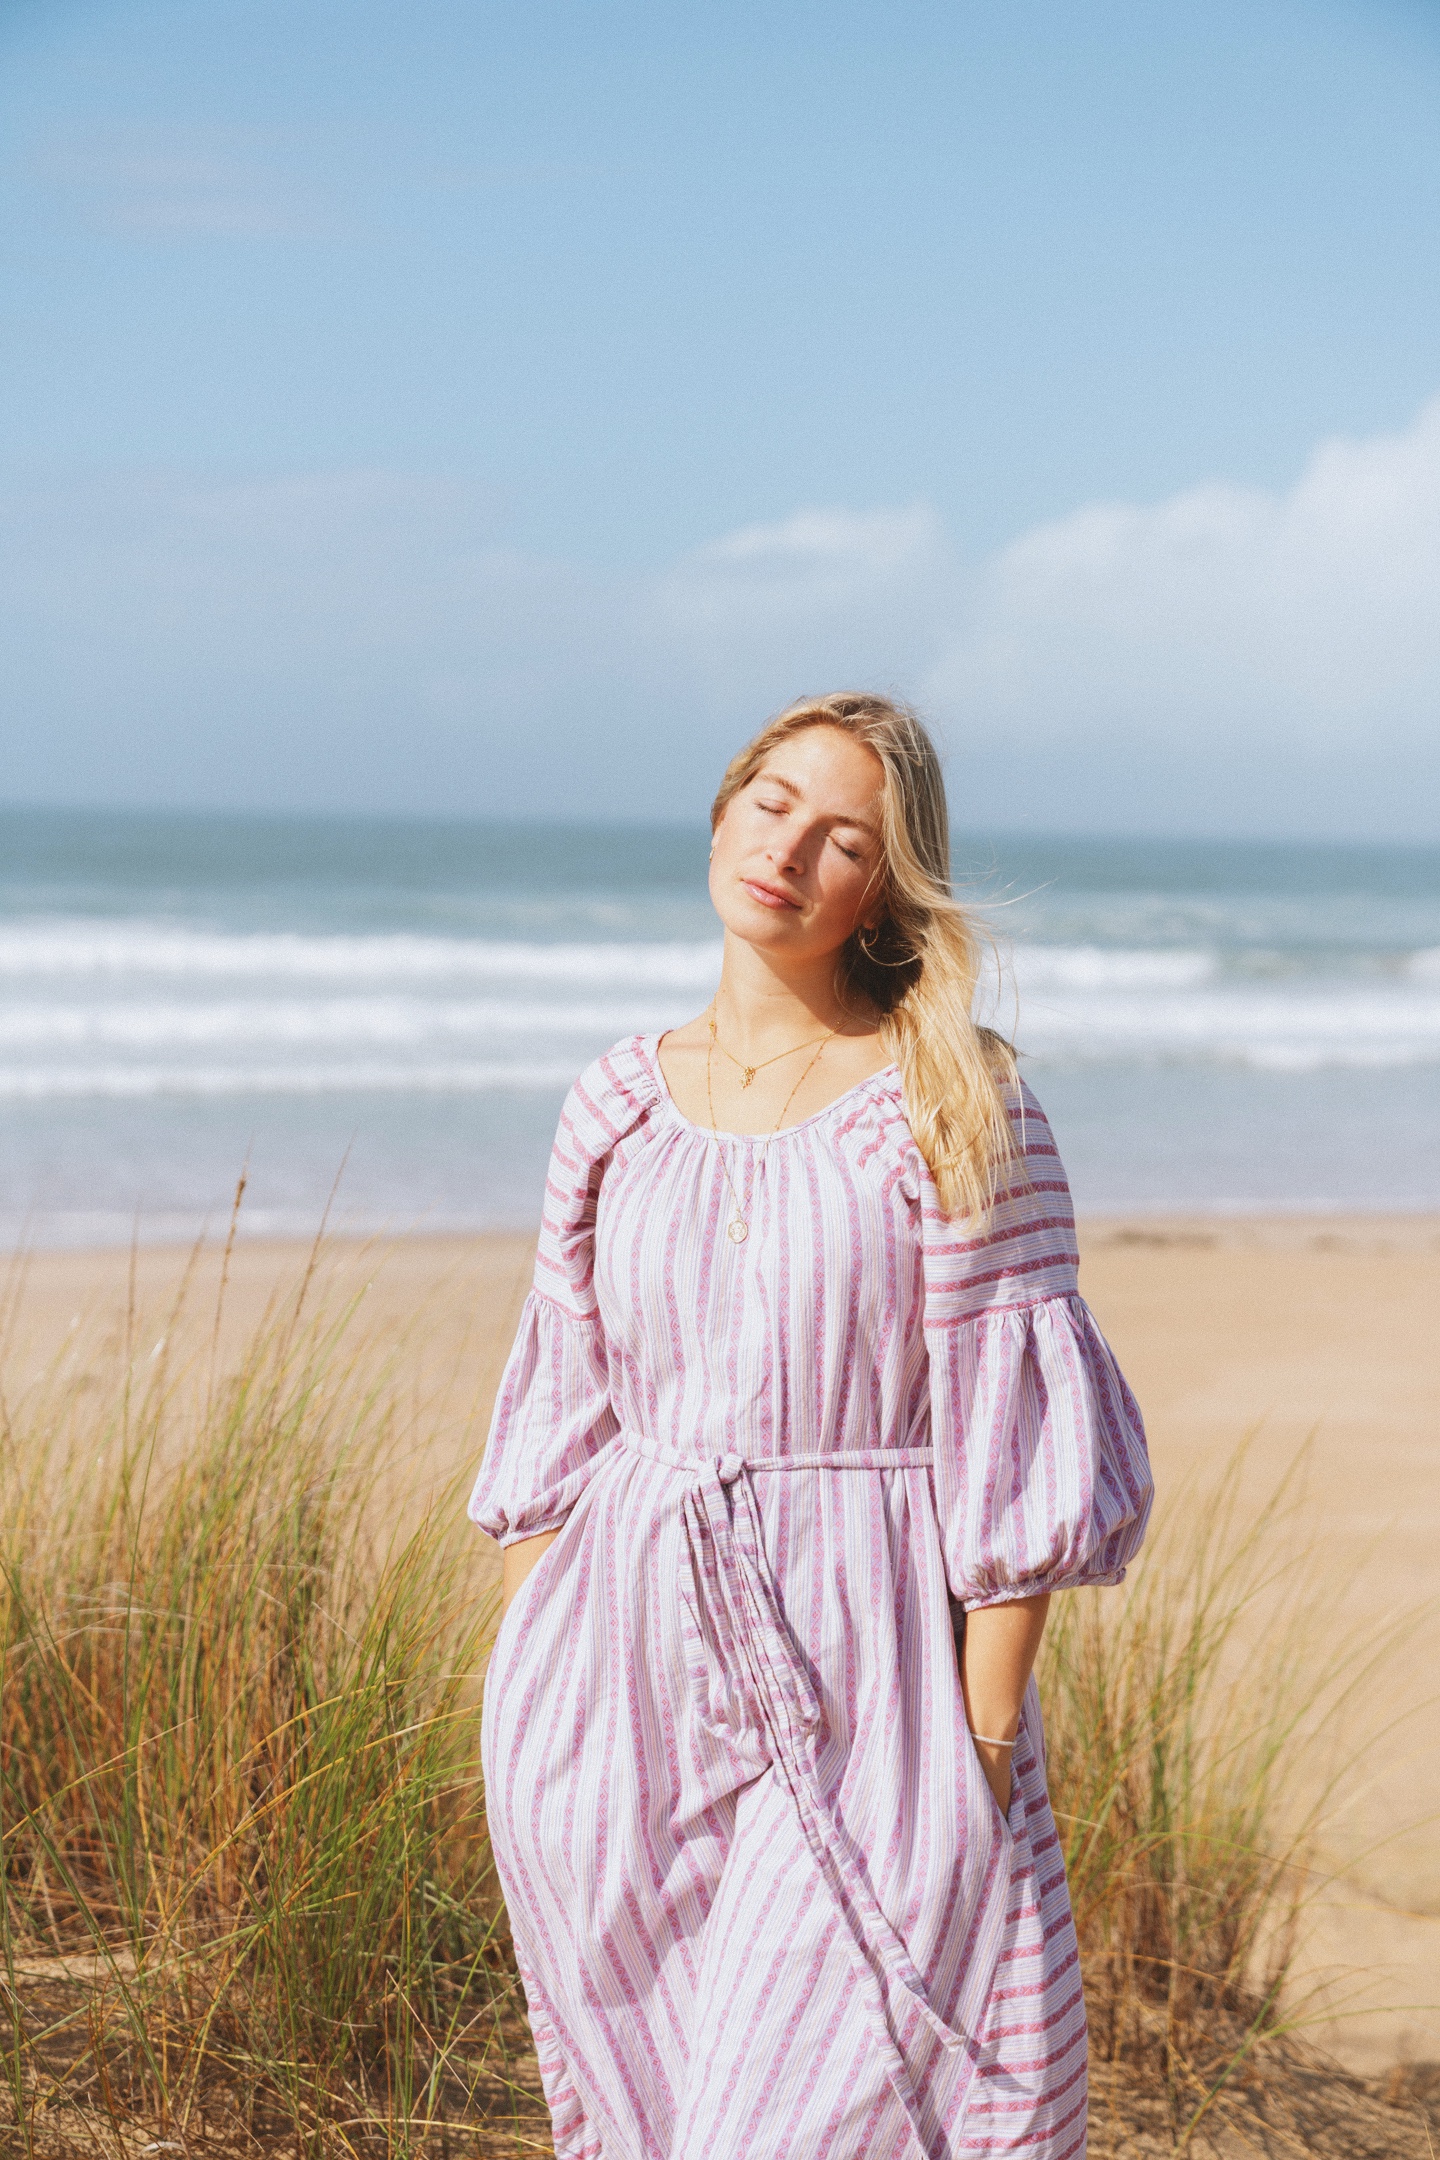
x=762, y=1898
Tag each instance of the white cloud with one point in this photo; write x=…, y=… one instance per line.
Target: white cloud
x=1311, y=616
x=182, y=183
x=820, y=598
x=829, y=544
x=1226, y=658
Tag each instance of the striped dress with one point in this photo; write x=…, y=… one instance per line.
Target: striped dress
x=764, y=1904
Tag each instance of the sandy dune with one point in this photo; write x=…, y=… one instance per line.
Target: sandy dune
x=1328, y=1331
x=1292, y=1329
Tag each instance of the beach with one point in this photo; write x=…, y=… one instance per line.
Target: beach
x=1300, y=1333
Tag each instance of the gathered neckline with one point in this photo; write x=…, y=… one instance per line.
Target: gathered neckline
x=651, y=1046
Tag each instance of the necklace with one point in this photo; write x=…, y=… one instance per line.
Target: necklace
x=738, y=1228
x=748, y=1072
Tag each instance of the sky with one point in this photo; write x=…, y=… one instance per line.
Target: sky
x=502, y=409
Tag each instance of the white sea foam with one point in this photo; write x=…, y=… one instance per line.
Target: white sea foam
x=139, y=1010
x=374, y=1046
x=140, y=950
x=148, y=1025
x=136, y=1083
x=1340, y=1027
x=1039, y=969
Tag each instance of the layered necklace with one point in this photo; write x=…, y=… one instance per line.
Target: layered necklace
x=738, y=1228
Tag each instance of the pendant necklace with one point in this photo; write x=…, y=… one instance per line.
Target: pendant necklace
x=748, y=1072
x=738, y=1228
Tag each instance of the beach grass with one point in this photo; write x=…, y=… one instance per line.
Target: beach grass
x=246, y=1876
x=1202, y=1726
x=248, y=1899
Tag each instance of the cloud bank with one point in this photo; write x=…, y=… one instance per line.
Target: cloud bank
x=1228, y=659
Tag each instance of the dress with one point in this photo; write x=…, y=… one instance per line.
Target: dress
x=764, y=1904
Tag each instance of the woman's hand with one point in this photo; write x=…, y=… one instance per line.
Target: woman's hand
x=997, y=1654
x=516, y=1562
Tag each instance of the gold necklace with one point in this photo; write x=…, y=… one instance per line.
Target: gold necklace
x=738, y=1228
x=748, y=1072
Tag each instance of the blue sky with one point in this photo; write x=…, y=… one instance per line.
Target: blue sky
x=503, y=408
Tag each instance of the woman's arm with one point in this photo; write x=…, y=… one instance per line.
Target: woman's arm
x=516, y=1562
x=996, y=1659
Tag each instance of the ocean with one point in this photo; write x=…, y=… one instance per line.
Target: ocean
x=381, y=1016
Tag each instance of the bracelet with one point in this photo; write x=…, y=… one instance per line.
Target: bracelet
x=989, y=1742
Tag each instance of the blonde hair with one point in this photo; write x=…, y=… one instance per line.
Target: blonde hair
x=918, y=964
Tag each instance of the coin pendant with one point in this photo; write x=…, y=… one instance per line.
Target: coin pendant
x=739, y=1231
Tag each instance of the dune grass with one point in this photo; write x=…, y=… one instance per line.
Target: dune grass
x=246, y=1877
x=247, y=1893
x=1202, y=1727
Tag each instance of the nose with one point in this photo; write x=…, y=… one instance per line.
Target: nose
x=792, y=855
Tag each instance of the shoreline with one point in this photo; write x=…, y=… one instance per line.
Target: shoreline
x=1309, y=1334
x=1264, y=1223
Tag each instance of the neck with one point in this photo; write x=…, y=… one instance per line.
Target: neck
x=762, y=1005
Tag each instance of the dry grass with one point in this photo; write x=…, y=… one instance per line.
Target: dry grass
x=246, y=1878
x=248, y=1904
x=1202, y=1728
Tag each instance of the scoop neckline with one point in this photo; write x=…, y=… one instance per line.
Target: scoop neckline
x=720, y=1132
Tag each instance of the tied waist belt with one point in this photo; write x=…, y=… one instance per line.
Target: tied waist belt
x=727, y=1468
x=766, y=1683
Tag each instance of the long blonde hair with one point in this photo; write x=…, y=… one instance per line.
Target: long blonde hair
x=919, y=963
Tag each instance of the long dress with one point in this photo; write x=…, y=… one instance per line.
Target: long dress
x=764, y=1904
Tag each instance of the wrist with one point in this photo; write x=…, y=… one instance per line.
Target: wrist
x=991, y=1719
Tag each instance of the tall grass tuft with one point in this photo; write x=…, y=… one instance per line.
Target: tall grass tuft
x=245, y=1871
x=1196, y=1729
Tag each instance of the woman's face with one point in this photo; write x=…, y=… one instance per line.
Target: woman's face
x=797, y=858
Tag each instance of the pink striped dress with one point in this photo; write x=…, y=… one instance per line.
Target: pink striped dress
x=764, y=1904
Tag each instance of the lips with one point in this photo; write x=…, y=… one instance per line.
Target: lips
x=769, y=896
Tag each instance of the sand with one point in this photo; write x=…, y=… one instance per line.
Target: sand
x=1325, y=1331
x=1287, y=1329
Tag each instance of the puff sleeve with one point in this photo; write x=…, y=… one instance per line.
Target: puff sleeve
x=1041, y=1471
x=553, y=1414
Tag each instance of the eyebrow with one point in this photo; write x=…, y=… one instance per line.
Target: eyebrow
x=775, y=779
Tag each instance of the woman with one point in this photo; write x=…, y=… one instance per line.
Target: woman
x=804, y=1368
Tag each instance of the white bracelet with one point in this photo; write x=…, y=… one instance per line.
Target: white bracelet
x=989, y=1742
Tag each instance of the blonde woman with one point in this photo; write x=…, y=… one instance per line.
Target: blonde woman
x=804, y=1376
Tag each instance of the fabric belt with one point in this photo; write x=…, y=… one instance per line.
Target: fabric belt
x=764, y=1676
x=727, y=1468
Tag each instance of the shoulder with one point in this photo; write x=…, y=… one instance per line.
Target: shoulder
x=1031, y=1136
x=877, y=1121
x=871, y=1128
x=610, y=1100
x=610, y=1097
x=1025, y=1251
